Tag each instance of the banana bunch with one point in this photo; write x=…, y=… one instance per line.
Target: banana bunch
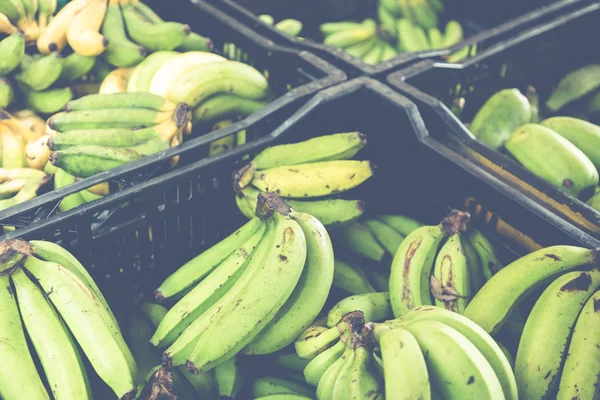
x=141, y=324
x=321, y=167
x=558, y=349
x=402, y=26
x=375, y=239
x=48, y=296
x=221, y=307
x=289, y=26
x=18, y=185
x=444, y=265
x=93, y=137
x=29, y=16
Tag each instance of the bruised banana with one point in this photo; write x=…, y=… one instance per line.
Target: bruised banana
x=553, y=158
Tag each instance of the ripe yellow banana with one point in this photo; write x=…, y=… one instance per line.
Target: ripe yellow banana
x=54, y=37
x=83, y=33
x=116, y=81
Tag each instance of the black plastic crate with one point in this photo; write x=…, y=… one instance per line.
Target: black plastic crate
x=293, y=76
x=538, y=57
x=417, y=175
x=485, y=23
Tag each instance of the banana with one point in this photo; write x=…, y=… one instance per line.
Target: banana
x=154, y=36
x=573, y=86
x=378, y=276
x=580, y=371
x=59, y=356
x=7, y=93
x=569, y=168
x=280, y=273
x=289, y=361
x=108, y=119
x=375, y=307
x=41, y=73
x=13, y=147
x=116, y=81
x=267, y=385
x=450, y=283
x=363, y=382
x=492, y=304
x=386, y=235
x=476, y=275
x=536, y=368
x=266, y=19
x=6, y=27
x=453, y=34
x=404, y=368
x=200, y=266
x=225, y=105
x=584, y=135
x=374, y=55
x=476, y=335
x=328, y=380
x=230, y=377
x=62, y=179
x=350, y=278
x=180, y=350
x=14, y=10
x=315, y=369
x=206, y=293
x=411, y=267
x=314, y=340
x=424, y=14
x=48, y=101
x=87, y=160
x=18, y=375
x=168, y=73
x=46, y=10
x=435, y=38
x=203, y=81
x=195, y=42
x=309, y=296
x=75, y=66
x=31, y=121
x=289, y=26
x=143, y=73
x=403, y=225
x=87, y=320
x=54, y=36
x=12, y=49
x=490, y=264
x=283, y=396
x=499, y=116
x=341, y=384
x=120, y=52
x=386, y=18
x=359, y=50
x=471, y=375
x=348, y=37
x=411, y=37
x=121, y=100
x=83, y=33
x=388, y=53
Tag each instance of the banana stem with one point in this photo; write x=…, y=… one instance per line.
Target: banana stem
x=268, y=203
x=455, y=222
x=12, y=254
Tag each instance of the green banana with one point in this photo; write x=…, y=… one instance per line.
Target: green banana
x=48, y=101
x=154, y=36
x=580, y=371
x=357, y=238
x=75, y=66
x=233, y=77
x=314, y=340
x=14, y=10
x=309, y=296
x=87, y=160
x=536, y=368
x=453, y=34
x=553, y=158
x=120, y=52
x=41, y=73
x=12, y=50
x=488, y=260
x=403, y=225
x=289, y=26
x=107, y=119
x=375, y=307
x=54, y=345
x=318, y=365
x=19, y=377
x=266, y=19
x=373, y=56
x=363, y=383
x=7, y=93
x=348, y=37
x=351, y=279
x=267, y=385
x=474, y=264
x=62, y=179
x=411, y=37
x=359, y=50
x=225, y=105
x=584, y=135
x=492, y=304
x=378, y=276
x=450, y=281
x=192, y=272
x=594, y=201
x=230, y=376
x=141, y=77
x=499, y=116
x=389, y=238
x=388, y=53
x=330, y=376
x=423, y=13
x=195, y=42
x=435, y=38
x=122, y=100
x=290, y=361
x=329, y=28
x=386, y=18
x=573, y=86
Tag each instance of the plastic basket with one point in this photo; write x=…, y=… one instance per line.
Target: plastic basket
x=417, y=175
x=538, y=57
x=293, y=75
x=484, y=22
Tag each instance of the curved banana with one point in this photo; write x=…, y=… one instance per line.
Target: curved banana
x=283, y=265
x=83, y=33
x=450, y=281
x=474, y=264
x=492, y=304
x=581, y=368
x=168, y=73
x=142, y=74
x=46, y=9
x=108, y=119
x=583, y=134
x=389, y=238
x=7, y=93
x=120, y=52
x=403, y=225
x=290, y=361
x=116, y=81
x=574, y=85
x=12, y=49
x=75, y=66
x=351, y=278
x=13, y=147
x=48, y=101
x=41, y=73
x=62, y=179
x=230, y=376
x=268, y=385
x=309, y=296
x=314, y=340
x=318, y=365
x=490, y=263
x=154, y=36
x=19, y=377
x=54, y=345
x=375, y=307
x=54, y=36
x=331, y=374
x=225, y=105
x=121, y=100
x=6, y=27
x=536, y=368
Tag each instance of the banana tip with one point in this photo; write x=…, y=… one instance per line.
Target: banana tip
x=209, y=44
x=181, y=115
x=187, y=29
x=105, y=42
x=52, y=47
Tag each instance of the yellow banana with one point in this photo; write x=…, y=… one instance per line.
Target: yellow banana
x=83, y=33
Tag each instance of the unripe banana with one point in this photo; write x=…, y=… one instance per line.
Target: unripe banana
x=120, y=52
x=314, y=340
x=375, y=307
x=48, y=101
x=315, y=369
x=12, y=49
x=75, y=66
x=574, y=85
x=450, y=282
x=7, y=93
x=153, y=36
x=584, y=135
x=195, y=42
x=351, y=279
x=348, y=37
x=403, y=225
x=41, y=73
x=386, y=235
x=141, y=76
x=121, y=100
x=225, y=105
x=6, y=27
